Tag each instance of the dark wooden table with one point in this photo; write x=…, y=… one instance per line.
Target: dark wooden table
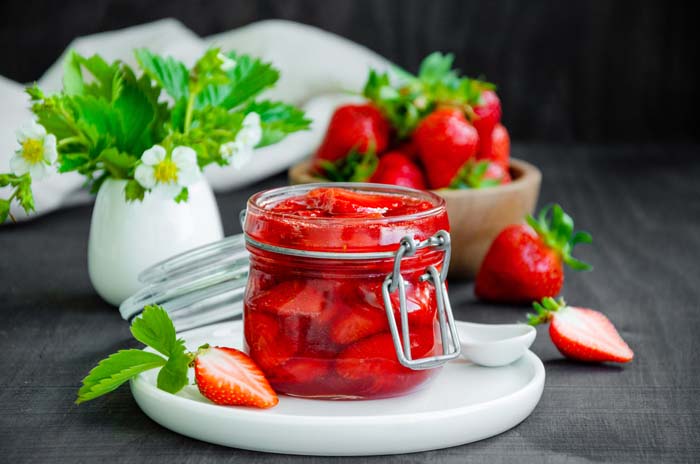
x=642, y=205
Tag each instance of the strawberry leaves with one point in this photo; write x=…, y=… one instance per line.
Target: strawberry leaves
x=169, y=73
x=356, y=167
x=155, y=329
x=544, y=310
x=556, y=228
x=119, y=367
x=109, y=114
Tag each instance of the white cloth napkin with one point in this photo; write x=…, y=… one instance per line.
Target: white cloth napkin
x=318, y=69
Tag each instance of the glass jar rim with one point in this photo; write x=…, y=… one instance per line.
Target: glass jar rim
x=255, y=202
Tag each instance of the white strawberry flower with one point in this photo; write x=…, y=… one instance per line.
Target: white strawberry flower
x=36, y=152
x=167, y=174
x=240, y=151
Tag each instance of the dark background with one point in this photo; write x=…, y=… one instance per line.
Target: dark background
x=586, y=71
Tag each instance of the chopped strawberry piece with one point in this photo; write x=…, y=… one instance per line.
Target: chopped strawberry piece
x=266, y=343
x=357, y=322
x=373, y=363
x=295, y=297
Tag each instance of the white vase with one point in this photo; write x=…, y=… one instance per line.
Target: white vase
x=127, y=237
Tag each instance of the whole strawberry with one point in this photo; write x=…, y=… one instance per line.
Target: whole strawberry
x=481, y=174
x=580, y=333
x=445, y=141
x=525, y=261
x=360, y=128
x=495, y=147
x=487, y=113
x=395, y=168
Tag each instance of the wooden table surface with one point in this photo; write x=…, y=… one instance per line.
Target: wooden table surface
x=642, y=205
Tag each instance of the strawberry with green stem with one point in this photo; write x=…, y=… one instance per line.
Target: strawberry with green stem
x=580, y=333
x=525, y=261
x=353, y=128
x=406, y=99
x=224, y=375
x=446, y=141
x=481, y=174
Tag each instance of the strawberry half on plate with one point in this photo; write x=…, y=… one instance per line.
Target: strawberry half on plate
x=580, y=333
x=229, y=377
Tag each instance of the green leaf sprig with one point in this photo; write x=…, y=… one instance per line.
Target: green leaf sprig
x=154, y=329
x=109, y=114
x=406, y=99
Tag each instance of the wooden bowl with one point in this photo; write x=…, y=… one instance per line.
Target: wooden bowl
x=476, y=216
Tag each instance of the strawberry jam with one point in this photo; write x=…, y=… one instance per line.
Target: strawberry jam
x=315, y=322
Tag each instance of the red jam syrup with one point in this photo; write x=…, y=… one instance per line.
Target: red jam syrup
x=317, y=327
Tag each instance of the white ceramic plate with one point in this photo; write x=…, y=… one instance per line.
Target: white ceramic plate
x=465, y=403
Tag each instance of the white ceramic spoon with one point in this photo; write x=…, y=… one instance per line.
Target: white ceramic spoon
x=495, y=345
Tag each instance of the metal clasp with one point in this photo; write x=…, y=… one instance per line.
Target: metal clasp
x=394, y=281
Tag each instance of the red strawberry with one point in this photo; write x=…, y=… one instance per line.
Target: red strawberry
x=480, y=175
x=497, y=172
x=445, y=141
x=354, y=127
x=395, y=168
x=525, y=262
x=580, y=333
x=495, y=147
x=357, y=322
x=487, y=113
x=229, y=377
x=407, y=148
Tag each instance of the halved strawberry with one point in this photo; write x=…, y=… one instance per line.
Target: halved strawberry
x=229, y=377
x=580, y=333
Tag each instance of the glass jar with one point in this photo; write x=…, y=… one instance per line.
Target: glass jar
x=324, y=314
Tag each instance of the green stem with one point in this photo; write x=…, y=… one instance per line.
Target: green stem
x=68, y=140
x=189, y=111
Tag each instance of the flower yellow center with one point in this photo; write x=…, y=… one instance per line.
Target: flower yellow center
x=33, y=150
x=165, y=172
